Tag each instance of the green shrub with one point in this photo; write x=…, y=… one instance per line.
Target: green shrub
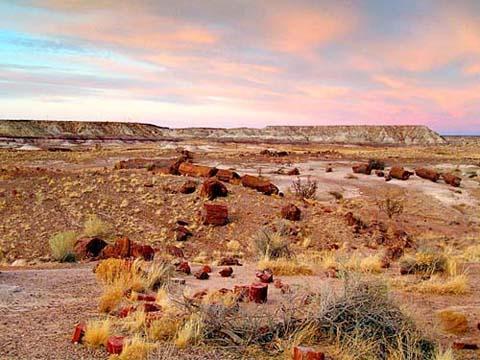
x=94, y=226
x=62, y=246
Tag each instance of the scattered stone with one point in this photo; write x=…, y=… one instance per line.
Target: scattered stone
x=229, y=261
x=184, y=267
x=121, y=249
x=182, y=233
x=457, y=345
x=453, y=322
x=398, y=172
x=379, y=173
x=79, y=333
x=274, y=153
x=428, y=174
x=260, y=184
x=362, y=169
x=89, y=247
x=178, y=281
x=188, y=187
x=201, y=275
x=452, y=180
x=291, y=212
x=189, y=169
x=293, y=172
x=207, y=268
x=329, y=169
x=307, y=353
x=258, y=293
x=278, y=283
x=265, y=276
x=212, y=188
x=215, y=214
x=115, y=344
x=226, y=272
x=146, y=252
x=228, y=176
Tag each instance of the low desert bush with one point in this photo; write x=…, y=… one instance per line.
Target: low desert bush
x=135, y=322
x=285, y=267
x=392, y=204
x=111, y=297
x=62, y=246
x=426, y=262
x=94, y=226
x=305, y=189
x=454, y=285
x=97, y=333
x=271, y=244
x=370, y=264
x=136, y=348
x=190, y=333
x=165, y=328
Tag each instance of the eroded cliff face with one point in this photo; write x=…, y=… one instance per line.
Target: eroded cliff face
x=388, y=135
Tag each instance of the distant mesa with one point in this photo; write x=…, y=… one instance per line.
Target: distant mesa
x=355, y=134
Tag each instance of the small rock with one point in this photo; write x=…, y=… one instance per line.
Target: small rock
x=226, y=272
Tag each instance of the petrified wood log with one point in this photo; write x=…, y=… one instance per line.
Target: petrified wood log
x=188, y=187
x=398, y=172
x=215, y=214
x=428, y=174
x=115, y=344
x=189, y=169
x=226, y=272
x=452, y=180
x=258, y=293
x=307, y=353
x=291, y=212
x=89, y=247
x=362, y=169
x=228, y=176
x=212, y=188
x=259, y=184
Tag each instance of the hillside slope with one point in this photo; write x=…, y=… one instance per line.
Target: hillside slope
x=387, y=135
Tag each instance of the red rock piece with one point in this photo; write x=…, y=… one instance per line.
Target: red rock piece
x=228, y=176
x=265, y=276
x=241, y=291
x=175, y=251
x=188, y=187
x=184, y=267
x=229, y=261
x=182, y=233
x=189, y=169
x=291, y=212
x=226, y=272
x=428, y=174
x=293, y=172
x=258, y=293
x=328, y=169
x=201, y=275
x=215, y=214
x=307, y=353
x=151, y=307
x=398, y=172
x=127, y=310
x=207, y=268
x=78, y=333
x=145, y=252
x=212, y=188
x=452, y=180
x=362, y=169
x=121, y=249
x=146, y=297
x=379, y=173
x=115, y=344
x=260, y=184
x=89, y=247
x=457, y=345
x=199, y=295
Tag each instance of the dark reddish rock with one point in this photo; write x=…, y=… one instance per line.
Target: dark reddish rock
x=260, y=184
x=293, y=172
x=362, y=169
x=188, y=187
x=452, y=180
x=291, y=212
x=189, y=169
x=228, y=176
x=265, y=276
x=145, y=252
x=388, y=177
x=212, y=188
x=215, y=214
x=121, y=249
x=307, y=353
x=428, y=174
x=182, y=233
x=457, y=345
x=175, y=251
x=115, y=344
x=229, y=261
x=258, y=293
x=151, y=307
x=89, y=247
x=207, y=268
x=380, y=173
x=328, y=169
x=79, y=333
x=376, y=164
x=201, y=275
x=226, y=272
x=125, y=311
x=146, y=297
x=398, y=172
x=184, y=267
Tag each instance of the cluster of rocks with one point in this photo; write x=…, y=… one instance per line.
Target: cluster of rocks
x=96, y=248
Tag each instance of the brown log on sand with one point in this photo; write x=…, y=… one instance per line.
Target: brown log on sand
x=214, y=214
x=398, y=172
x=428, y=174
x=228, y=176
x=189, y=169
x=362, y=169
x=452, y=180
x=259, y=184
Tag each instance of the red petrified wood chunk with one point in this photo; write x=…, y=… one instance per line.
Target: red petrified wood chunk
x=428, y=174
x=258, y=293
x=265, y=276
x=307, y=353
x=89, y=247
x=146, y=297
x=212, y=188
x=127, y=310
x=207, y=268
x=229, y=261
x=184, y=267
x=188, y=187
x=202, y=275
x=291, y=212
x=151, y=307
x=215, y=214
x=398, y=172
x=457, y=345
x=362, y=169
x=226, y=272
x=78, y=333
x=145, y=252
x=452, y=180
x=260, y=184
x=115, y=344
x=182, y=233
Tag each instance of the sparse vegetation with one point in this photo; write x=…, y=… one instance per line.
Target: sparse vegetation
x=305, y=189
x=392, y=205
x=97, y=333
x=286, y=267
x=94, y=226
x=272, y=244
x=62, y=246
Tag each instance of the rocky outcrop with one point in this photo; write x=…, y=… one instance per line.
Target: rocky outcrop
x=358, y=134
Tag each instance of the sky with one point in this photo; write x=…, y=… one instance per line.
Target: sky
x=231, y=63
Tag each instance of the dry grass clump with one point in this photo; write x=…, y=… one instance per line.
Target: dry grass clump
x=165, y=328
x=136, y=348
x=273, y=242
x=285, y=267
x=444, y=355
x=62, y=246
x=190, y=333
x=453, y=322
x=427, y=262
x=472, y=253
x=94, y=226
x=135, y=322
x=97, y=333
x=392, y=205
x=371, y=264
x=455, y=285
x=111, y=297
x=305, y=189
x=366, y=321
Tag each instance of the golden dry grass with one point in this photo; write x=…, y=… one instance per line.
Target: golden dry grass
x=94, y=226
x=285, y=267
x=97, y=333
x=165, y=328
x=111, y=297
x=455, y=285
x=190, y=333
x=62, y=245
x=136, y=349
